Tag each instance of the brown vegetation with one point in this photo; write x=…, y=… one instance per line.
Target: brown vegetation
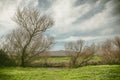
x=79, y=53
x=110, y=51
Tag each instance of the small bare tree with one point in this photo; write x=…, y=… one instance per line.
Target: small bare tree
x=74, y=50
x=116, y=41
x=78, y=53
x=28, y=40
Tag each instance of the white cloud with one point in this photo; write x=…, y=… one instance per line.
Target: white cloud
x=73, y=38
x=7, y=11
x=99, y=20
x=107, y=31
x=9, y=7
x=86, y=38
x=58, y=47
x=65, y=13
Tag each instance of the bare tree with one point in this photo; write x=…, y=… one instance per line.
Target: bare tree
x=110, y=51
x=79, y=53
x=28, y=40
x=116, y=41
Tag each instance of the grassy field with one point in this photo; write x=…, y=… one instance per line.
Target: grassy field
x=63, y=59
x=102, y=72
x=54, y=59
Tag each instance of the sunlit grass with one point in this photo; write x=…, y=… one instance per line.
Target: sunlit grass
x=103, y=72
x=54, y=59
x=63, y=59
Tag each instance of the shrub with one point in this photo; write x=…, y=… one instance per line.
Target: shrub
x=5, y=60
x=110, y=51
x=78, y=53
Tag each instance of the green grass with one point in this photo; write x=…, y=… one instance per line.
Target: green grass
x=54, y=59
x=63, y=59
x=59, y=59
x=101, y=72
x=96, y=58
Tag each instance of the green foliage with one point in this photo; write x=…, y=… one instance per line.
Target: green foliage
x=104, y=72
x=5, y=60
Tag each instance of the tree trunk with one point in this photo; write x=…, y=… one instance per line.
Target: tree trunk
x=22, y=61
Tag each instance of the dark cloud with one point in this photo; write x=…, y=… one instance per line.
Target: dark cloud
x=116, y=3
x=116, y=12
x=81, y=2
x=97, y=8
x=116, y=8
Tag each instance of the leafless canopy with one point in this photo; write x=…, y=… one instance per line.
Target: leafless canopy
x=28, y=40
x=79, y=53
x=116, y=41
x=110, y=51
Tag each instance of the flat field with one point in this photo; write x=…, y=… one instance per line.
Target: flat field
x=99, y=72
x=62, y=59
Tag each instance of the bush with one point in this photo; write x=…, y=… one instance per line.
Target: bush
x=79, y=54
x=5, y=60
x=110, y=51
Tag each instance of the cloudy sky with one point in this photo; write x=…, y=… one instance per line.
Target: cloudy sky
x=90, y=20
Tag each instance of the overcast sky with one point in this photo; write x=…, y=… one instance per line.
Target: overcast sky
x=90, y=20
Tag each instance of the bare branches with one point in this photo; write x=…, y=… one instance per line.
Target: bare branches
x=116, y=41
x=32, y=20
x=75, y=46
x=28, y=39
x=110, y=51
x=79, y=54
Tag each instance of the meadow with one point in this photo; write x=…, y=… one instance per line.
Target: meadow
x=82, y=44
x=99, y=72
x=62, y=59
